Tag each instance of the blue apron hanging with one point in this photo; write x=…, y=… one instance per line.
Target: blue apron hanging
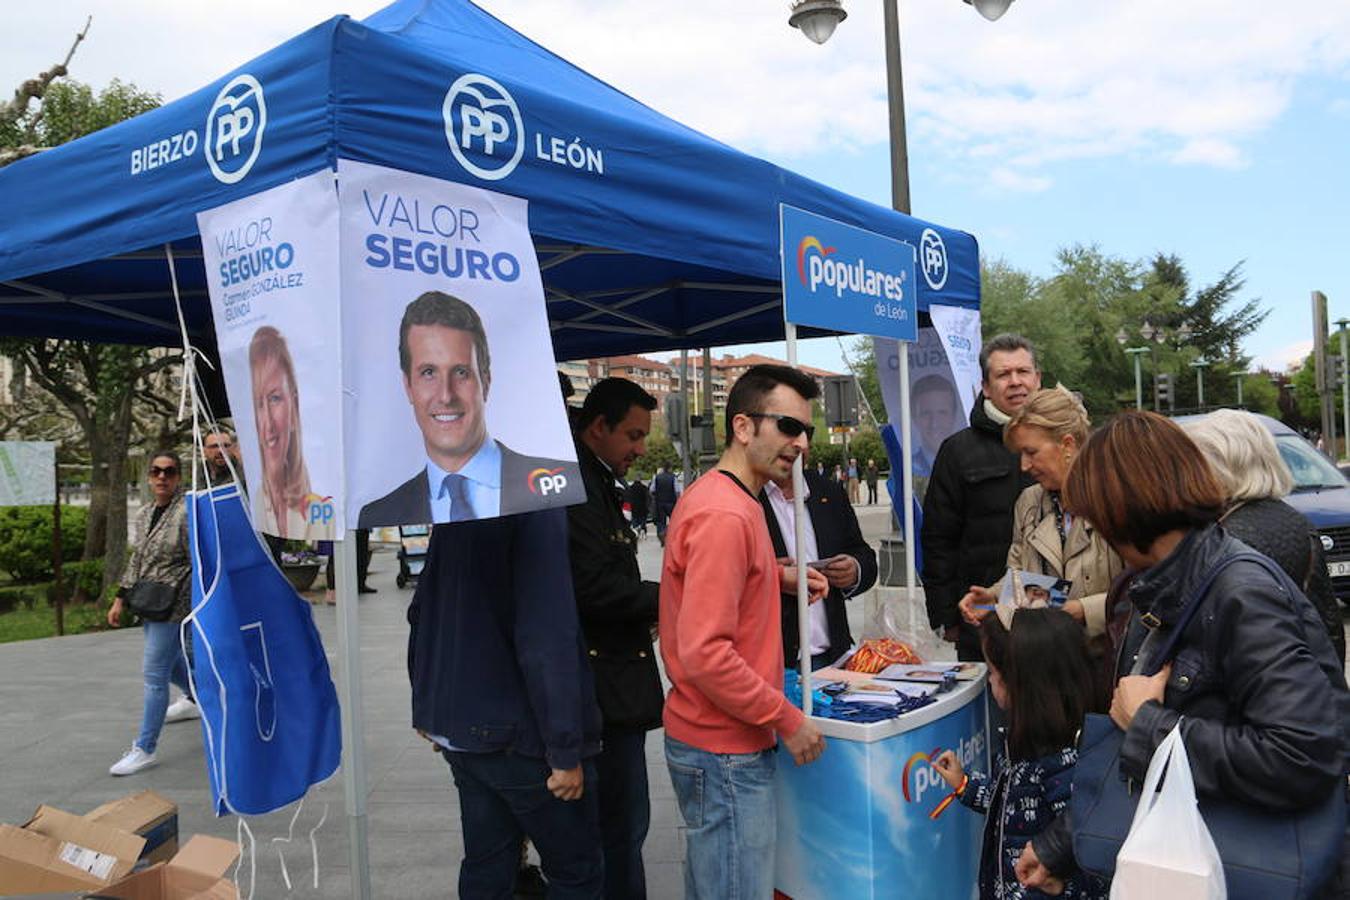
x=270, y=716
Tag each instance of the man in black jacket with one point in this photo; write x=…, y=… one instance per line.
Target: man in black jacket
x=834, y=539
x=665, y=492
x=617, y=611
x=967, y=511
x=501, y=686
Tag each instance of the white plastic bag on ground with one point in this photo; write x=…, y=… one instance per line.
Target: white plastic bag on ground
x=1169, y=852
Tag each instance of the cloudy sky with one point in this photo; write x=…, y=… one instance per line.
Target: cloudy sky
x=1218, y=130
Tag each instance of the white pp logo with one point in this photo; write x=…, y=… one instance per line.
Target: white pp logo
x=480, y=116
x=933, y=259
x=234, y=129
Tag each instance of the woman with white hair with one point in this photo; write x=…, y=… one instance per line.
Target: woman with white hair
x=1242, y=453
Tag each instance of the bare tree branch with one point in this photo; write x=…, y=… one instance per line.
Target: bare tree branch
x=35, y=88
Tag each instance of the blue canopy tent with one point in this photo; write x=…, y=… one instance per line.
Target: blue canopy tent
x=650, y=235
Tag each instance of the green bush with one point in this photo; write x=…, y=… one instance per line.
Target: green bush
x=24, y=596
x=26, y=539
x=83, y=578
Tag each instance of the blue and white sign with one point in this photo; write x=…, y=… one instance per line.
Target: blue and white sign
x=843, y=278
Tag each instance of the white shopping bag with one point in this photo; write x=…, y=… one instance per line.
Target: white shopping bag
x=1168, y=852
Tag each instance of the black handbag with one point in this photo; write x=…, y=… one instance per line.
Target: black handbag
x=1266, y=855
x=152, y=600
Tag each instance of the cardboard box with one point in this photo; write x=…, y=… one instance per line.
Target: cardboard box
x=195, y=873
x=145, y=813
x=58, y=851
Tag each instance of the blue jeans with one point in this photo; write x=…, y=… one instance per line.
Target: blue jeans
x=163, y=662
x=727, y=801
x=625, y=811
x=503, y=798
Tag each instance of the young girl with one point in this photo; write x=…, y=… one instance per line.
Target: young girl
x=1041, y=676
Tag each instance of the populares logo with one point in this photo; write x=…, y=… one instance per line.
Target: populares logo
x=482, y=119
x=919, y=777
x=546, y=481
x=318, y=509
x=810, y=242
x=814, y=268
x=933, y=259
x=234, y=129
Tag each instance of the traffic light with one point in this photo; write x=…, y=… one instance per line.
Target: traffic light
x=1164, y=393
x=1337, y=372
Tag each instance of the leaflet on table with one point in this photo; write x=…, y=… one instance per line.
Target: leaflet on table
x=929, y=673
x=889, y=694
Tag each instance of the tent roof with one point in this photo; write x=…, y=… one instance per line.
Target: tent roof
x=661, y=238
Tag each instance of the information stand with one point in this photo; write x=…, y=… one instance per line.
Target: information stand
x=855, y=823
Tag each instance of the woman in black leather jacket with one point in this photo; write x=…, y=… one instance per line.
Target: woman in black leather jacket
x=1267, y=711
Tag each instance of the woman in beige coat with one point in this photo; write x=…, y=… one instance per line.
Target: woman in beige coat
x=1046, y=433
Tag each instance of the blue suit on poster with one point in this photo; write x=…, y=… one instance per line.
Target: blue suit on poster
x=270, y=717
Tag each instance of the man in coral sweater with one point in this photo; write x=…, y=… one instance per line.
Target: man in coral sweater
x=723, y=647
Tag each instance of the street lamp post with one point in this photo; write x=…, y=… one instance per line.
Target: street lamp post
x=1137, y=352
x=1199, y=365
x=1345, y=389
x=1237, y=379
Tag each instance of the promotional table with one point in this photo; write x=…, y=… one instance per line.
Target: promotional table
x=854, y=824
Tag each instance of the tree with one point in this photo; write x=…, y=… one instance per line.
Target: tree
x=97, y=385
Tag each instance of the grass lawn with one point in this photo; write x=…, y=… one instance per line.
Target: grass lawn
x=39, y=622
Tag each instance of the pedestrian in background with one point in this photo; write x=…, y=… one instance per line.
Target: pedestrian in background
x=853, y=476
x=159, y=557
x=872, y=475
x=665, y=491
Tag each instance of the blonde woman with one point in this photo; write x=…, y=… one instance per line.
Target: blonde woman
x=1046, y=433
x=1243, y=455
x=276, y=413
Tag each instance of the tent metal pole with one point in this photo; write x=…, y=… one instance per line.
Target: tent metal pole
x=907, y=474
x=682, y=427
x=799, y=541
x=353, y=716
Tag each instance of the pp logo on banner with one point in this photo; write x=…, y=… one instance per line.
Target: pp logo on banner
x=234, y=129
x=481, y=117
x=547, y=481
x=933, y=259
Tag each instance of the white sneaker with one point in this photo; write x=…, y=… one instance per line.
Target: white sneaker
x=181, y=710
x=135, y=760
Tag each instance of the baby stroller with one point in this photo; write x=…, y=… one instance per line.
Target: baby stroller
x=412, y=552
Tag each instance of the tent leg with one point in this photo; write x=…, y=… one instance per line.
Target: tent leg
x=799, y=541
x=907, y=472
x=353, y=727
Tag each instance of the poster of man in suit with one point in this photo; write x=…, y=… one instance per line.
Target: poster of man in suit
x=451, y=406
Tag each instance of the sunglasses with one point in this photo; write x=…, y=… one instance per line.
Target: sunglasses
x=167, y=471
x=787, y=425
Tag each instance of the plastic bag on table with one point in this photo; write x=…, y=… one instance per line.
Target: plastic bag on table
x=889, y=615
x=1168, y=852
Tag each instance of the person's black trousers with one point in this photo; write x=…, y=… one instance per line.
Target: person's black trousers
x=625, y=811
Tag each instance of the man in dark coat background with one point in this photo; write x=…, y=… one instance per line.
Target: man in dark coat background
x=617, y=610
x=967, y=511
x=847, y=561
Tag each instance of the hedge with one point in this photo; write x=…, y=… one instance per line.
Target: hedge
x=26, y=540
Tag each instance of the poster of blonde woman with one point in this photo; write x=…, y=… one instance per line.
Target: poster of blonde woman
x=272, y=270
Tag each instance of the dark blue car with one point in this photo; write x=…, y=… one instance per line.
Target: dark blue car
x=1321, y=493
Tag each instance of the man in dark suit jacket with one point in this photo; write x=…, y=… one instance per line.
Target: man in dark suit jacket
x=849, y=564
x=447, y=373
x=500, y=684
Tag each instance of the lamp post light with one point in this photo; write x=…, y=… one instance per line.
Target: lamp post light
x=1200, y=365
x=1122, y=338
x=817, y=20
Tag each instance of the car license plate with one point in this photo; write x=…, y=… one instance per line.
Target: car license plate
x=1338, y=569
